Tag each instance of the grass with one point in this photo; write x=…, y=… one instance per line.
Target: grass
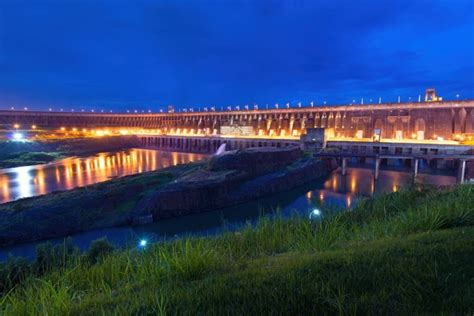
x=400, y=253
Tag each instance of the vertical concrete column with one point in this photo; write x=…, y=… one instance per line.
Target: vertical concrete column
x=344, y=166
x=462, y=171
x=377, y=168
x=415, y=167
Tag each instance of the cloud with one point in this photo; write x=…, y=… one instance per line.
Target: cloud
x=116, y=54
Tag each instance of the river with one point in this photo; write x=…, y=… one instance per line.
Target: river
x=69, y=173
x=334, y=191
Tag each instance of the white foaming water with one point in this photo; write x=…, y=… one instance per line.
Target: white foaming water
x=220, y=150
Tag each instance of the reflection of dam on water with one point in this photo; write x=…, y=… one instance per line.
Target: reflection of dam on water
x=69, y=173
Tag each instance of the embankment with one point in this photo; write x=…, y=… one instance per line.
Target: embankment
x=233, y=178
x=404, y=253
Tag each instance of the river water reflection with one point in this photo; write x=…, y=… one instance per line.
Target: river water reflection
x=311, y=200
x=21, y=182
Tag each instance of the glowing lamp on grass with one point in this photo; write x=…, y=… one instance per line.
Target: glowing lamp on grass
x=17, y=136
x=142, y=243
x=315, y=213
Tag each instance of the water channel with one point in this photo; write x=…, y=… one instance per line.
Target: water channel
x=334, y=191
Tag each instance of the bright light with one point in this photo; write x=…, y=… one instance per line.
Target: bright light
x=315, y=213
x=17, y=126
x=33, y=126
x=142, y=243
x=63, y=129
x=17, y=136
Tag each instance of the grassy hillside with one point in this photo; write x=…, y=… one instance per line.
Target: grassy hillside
x=406, y=252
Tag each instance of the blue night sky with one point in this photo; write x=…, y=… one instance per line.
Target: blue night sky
x=147, y=54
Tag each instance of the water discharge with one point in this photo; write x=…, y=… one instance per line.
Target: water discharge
x=221, y=149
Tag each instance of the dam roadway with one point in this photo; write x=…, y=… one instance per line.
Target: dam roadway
x=446, y=120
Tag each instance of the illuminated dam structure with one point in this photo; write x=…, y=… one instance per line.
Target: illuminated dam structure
x=438, y=120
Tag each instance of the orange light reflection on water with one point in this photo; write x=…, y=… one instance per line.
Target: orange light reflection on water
x=75, y=172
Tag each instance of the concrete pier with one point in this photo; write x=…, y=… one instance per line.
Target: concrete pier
x=344, y=166
x=462, y=171
x=377, y=168
x=416, y=164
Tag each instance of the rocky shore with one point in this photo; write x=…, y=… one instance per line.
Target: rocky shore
x=228, y=179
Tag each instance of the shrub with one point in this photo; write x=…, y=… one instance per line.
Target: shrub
x=13, y=271
x=49, y=257
x=99, y=249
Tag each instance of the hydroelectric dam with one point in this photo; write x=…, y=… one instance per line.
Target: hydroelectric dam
x=440, y=132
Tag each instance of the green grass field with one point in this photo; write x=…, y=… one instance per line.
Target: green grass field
x=409, y=252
